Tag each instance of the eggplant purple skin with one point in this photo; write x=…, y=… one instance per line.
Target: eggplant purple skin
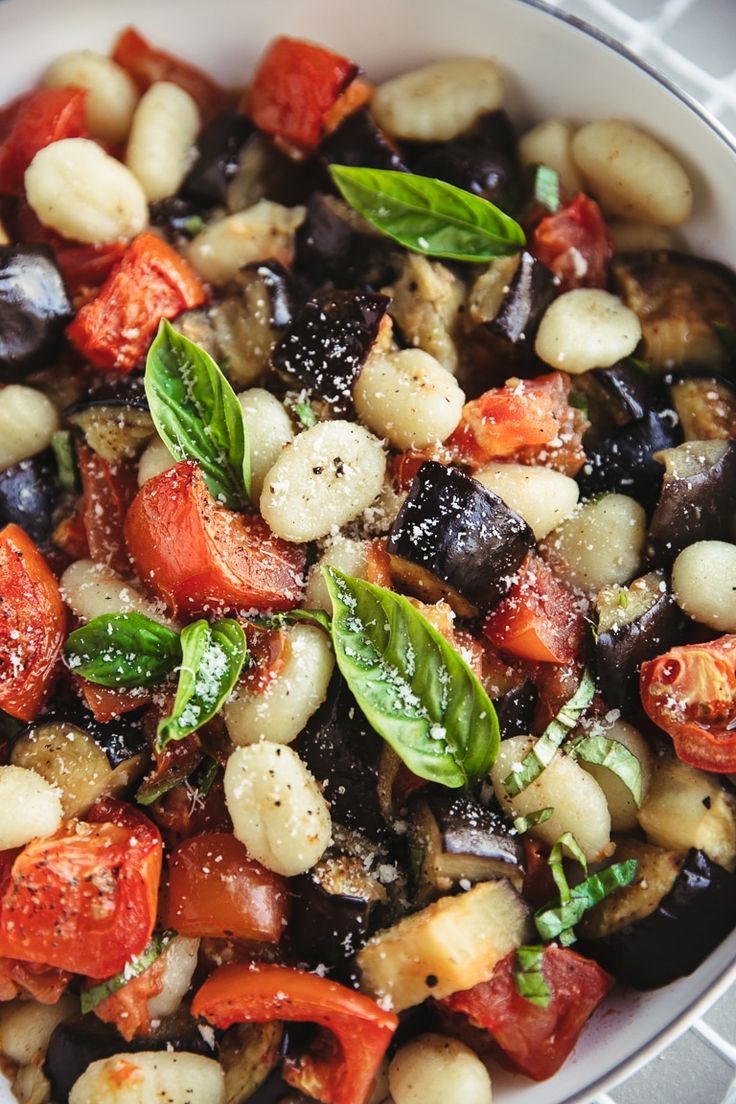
x=360, y=142
x=633, y=390
x=468, y=828
x=695, y=508
x=126, y=391
x=217, y=159
x=342, y=751
x=120, y=739
x=330, y=250
x=530, y=292
x=34, y=310
x=460, y=532
x=327, y=928
x=327, y=343
x=515, y=710
x=76, y=1043
x=623, y=463
x=278, y=285
x=483, y=162
x=29, y=495
x=687, y=925
x=620, y=652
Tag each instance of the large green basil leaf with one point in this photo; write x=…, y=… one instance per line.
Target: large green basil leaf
x=414, y=689
x=429, y=216
x=122, y=649
x=197, y=413
x=212, y=659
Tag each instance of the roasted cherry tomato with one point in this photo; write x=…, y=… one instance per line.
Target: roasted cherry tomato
x=215, y=889
x=32, y=625
x=532, y=1040
x=32, y=122
x=690, y=692
x=150, y=282
x=146, y=64
x=85, y=898
x=108, y=490
x=199, y=556
x=109, y=702
x=295, y=87
x=539, y=619
x=31, y=979
x=529, y=421
x=342, y=1066
x=574, y=244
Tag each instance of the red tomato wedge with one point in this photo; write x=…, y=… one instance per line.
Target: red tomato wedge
x=109, y=702
x=128, y=1007
x=690, y=692
x=85, y=898
x=199, y=556
x=150, y=282
x=532, y=1040
x=539, y=619
x=342, y=1066
x=31, y=979
x=32, y=625
x=107, y=492
x=146, y=64
x=32, y=122
x=574, y=244
x=81, y=265
x=215, y=889
x=529, y=421
x=294, y=88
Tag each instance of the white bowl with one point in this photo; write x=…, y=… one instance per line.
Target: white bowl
x=555, y=66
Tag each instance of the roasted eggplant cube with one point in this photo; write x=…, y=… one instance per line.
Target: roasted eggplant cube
x=331, y=910
x=343, y=752
x=625, y=463
x=247, y=322
x=334, y=245
x=248, y=1054
x=453, y=839
x=671, y=938
x=705, y=405
x=34, y=310
x=114, y=418
x=360, y=142
x=327, y=344
x=698, y=497
x=84, y=760
x=177, y=217
x=454, y=539
x=29, y=495
x=507, y=303
x=630, y=391
x=217, y=159
x=516, y=709
x=635, y=623
x=677, y=298
x=483, y=162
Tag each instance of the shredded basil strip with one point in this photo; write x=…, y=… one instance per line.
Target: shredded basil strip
x=547, y=188
x=429, y=216
x=556, y=862
x=212, y=659
x=304, y=413
x=66, y=461
x=122, y=650
x=614, y=756
x=414, y=689
x=545, y=748
x=558, y=921
x=529, y=976
x=531, y=820
x=307, y=616
x=197, y=413
x=90, y=998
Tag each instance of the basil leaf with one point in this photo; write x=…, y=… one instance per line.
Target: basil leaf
x=303, y=412
x=67, y=471
x=197, y=413
x=529, y=977
x=414, y=689
x=122, y=649
x=309, y=616
x=612, y=755
x=546, y=746
x=212, y=659
x=559, y=920
x=556, y=862
x=429, y=216
x=531, y=820
x=90, y=998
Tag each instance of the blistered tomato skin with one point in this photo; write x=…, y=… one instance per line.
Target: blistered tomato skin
x=33, y=122
x=690, y=693
x=200, y=557
x=32, y=625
